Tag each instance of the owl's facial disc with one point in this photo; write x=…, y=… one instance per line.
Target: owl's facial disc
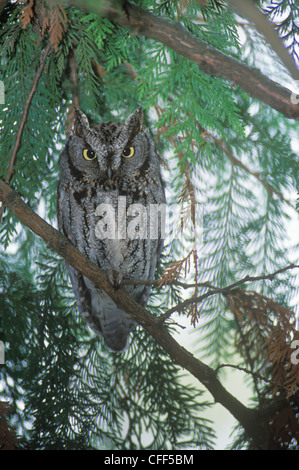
x=109, y=147
x=115, y=162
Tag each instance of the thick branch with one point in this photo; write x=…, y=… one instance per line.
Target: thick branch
x=248, y=418
x=267, y=29
x=210, y=60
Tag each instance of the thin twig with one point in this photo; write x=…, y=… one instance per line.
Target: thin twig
x=223, y=290
x=75, y=92
x=247, y=371
x=73, y=76
x=235, y=161
x=25, y=114
x=24, y=119
x=154, y=282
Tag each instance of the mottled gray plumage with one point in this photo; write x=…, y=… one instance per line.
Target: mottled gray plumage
x=96, y=168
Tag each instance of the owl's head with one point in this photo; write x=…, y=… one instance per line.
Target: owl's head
x=109, y=150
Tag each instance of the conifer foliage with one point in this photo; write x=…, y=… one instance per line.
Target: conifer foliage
x=230, y=162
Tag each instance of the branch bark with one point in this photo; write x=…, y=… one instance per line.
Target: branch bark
x=210, y=60
x=250, y=11
x=248, y=418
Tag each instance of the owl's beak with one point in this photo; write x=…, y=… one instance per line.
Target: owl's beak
x=109, y=173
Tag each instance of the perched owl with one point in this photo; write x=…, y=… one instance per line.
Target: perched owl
x=109, y=197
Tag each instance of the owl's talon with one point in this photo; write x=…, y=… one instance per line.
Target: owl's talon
x=115, y=278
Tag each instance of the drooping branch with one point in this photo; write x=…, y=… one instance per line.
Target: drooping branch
x=25, y=113
x=210, y=60
x=236, y=161
x=27, y=104
x=247, y=417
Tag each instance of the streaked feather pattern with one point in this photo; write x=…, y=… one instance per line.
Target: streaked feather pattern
x=109, y=178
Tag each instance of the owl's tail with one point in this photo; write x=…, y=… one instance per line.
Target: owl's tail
x=116, y=327
x=101, y=314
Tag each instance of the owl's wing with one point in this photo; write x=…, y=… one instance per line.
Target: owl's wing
x=143, y=296
x=96, y=307
x=100, y=312
x=83, y=299
x=82, y=293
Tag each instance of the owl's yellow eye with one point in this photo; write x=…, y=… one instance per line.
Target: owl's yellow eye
x=89, y=154
x=128, y=152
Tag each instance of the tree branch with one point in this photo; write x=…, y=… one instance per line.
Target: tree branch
x=24, y=119
x=25, y=114
x=154, y=282
x=250, y=372
x=224, y=290
x=248, y=418
x=215, y=290
x=210, y=60
x=221, y=145
x=267, y=29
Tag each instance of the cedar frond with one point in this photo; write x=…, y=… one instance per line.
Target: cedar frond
x=58, y=20
x=173, y=271
x=183, y=266
x=51, y=18
x=267, y=331
x=27, y=13
x=44, y=18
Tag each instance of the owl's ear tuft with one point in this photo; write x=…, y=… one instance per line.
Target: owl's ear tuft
x=134, y=123
x=81, y=123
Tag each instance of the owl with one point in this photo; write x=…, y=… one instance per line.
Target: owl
x=110, y=199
